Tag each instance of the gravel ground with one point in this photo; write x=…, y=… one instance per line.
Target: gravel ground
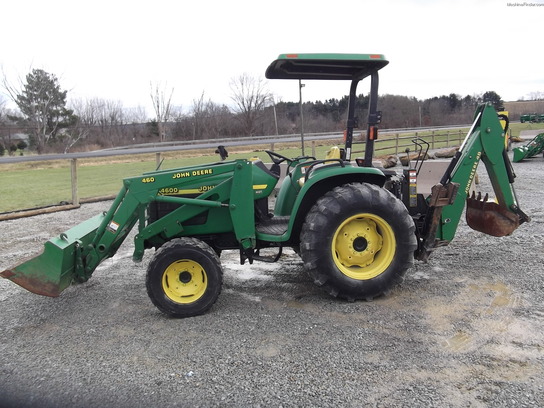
x=465, y=329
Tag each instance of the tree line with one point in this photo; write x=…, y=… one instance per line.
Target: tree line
x=55, y=123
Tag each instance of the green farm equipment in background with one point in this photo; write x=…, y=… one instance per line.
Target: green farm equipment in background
x=532, y=118
x=531, y=149
x=357, y=228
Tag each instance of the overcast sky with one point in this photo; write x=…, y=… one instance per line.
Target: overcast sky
x=113, y=49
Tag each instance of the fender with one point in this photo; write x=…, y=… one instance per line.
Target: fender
x=322, y=176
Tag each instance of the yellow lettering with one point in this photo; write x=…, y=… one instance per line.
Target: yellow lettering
x=472, y=173
x=202, y=172
x=168, y=191
x=181, y=175
x=192, y=173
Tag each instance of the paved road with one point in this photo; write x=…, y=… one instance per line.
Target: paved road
x=210, y=144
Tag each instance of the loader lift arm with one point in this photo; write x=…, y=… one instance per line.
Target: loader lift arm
x=75, y=254
x=485, y=142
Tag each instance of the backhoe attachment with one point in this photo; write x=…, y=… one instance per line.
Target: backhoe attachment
x=500, y=217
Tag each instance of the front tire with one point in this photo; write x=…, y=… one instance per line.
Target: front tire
x=358, y=241
x=184, y=278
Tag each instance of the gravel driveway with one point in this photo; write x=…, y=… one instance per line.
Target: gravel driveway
x=465, y=329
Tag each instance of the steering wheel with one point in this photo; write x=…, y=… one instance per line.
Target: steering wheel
x=299, y=158
x=278, y=158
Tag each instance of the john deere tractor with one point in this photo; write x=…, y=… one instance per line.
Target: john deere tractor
x=357, y=228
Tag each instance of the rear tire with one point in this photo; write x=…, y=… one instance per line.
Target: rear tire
x=358, y=241
x=184, y=278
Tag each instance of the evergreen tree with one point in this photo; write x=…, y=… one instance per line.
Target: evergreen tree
x=494, y=98
x=43, y=106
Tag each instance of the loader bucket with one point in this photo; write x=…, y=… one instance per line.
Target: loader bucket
x=520, y=153
x=53, y=270
x=489, y=217
x=534, y=147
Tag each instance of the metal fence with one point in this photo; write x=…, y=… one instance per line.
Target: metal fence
x=436, y=140
x=389, y=143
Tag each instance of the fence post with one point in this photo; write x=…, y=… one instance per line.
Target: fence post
x=396, y=144
x=313, y=148
x=157, y=160
x=73, y=174
x=272, y=146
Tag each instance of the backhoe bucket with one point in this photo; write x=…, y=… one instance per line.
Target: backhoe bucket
x=54, y=269
x=489, y=217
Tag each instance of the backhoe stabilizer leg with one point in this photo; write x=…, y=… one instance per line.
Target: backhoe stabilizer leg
x=441, y=196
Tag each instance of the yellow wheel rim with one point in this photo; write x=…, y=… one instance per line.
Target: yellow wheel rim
x=363, y=246
x=184, y=281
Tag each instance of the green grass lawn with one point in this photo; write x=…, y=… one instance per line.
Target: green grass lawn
x=34, y=184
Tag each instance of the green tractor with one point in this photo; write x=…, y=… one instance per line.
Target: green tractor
x=357, y=228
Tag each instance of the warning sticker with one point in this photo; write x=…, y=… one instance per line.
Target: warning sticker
x=113, y=227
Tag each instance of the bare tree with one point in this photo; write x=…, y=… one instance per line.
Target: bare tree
x=250, y=96
x=5, y=134
x=3, y=110
x=536, y=96
x=104, y=122
x=69, y=137
x=198, y=112
x=79, y=130
x=218, y=120
x=42, y=103
x=135, y=115
x=162, y=104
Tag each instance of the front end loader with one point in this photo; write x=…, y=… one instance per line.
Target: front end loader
x=531, y=149
x=356, y=227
